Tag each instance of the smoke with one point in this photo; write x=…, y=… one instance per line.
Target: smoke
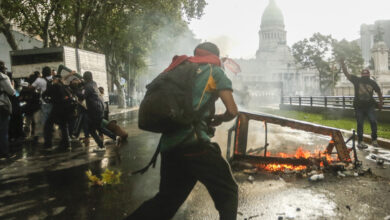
x=225, y=44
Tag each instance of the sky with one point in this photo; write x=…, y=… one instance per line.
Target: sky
x=234, y=24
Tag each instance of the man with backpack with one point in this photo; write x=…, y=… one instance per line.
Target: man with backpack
x=364, y=103
x=187, y=153
x=6, y=89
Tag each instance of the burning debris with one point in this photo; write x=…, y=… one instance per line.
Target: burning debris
x=307, y=164
x=315, y=160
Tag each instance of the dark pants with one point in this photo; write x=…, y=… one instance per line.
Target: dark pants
x=4, y=125
x=180, y=170
x=85, y=125
x=93, y=127
x=48, y=131
x=72, y=125
x=361, y=113
x=107, y=132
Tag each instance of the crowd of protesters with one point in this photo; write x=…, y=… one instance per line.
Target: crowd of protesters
x=30, y=108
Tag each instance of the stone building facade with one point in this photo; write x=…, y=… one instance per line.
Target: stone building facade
x=367, y=37
x=375, y=53
x=274, y=63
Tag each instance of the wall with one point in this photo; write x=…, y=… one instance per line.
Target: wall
x=23, y=41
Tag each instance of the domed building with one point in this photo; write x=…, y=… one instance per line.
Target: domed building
x=274, y=64
x=272, y=33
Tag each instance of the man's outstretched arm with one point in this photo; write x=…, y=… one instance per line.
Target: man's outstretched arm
x=231, y=108
x=345, y=70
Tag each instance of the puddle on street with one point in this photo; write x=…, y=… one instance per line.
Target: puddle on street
x=270, y=199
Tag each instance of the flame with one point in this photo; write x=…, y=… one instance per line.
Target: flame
x=299, y=154
x=282, y=167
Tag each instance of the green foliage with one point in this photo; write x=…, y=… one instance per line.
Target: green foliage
x=315, y=52
x=323, y=53
x=124, y=30
x=339, y=122
x=33, y=16
x=350, y=52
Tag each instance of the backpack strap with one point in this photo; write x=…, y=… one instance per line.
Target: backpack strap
x=157, y=152
x=152, y=161
x=204, y=90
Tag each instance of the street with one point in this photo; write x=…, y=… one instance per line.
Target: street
x=41, y=184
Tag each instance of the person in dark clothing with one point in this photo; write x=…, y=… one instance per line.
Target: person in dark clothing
x=58, y=115
x=188, y=155
x=77, y=87
x=364, y=103
x=95, y=109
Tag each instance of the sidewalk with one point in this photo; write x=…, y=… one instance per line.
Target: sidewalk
x=383, y=143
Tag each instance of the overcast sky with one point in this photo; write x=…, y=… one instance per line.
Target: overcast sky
x=234, y=24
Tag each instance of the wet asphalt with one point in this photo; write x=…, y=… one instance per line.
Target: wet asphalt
x=52, y=184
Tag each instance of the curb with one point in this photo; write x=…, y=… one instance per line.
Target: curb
x=383, y=143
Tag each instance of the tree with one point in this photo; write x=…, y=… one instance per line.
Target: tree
x=130, y=31
x=124, y=30
x=351, y=53
x=314, y=53
x=33, y=17
x=322, y=52
x=5, y=28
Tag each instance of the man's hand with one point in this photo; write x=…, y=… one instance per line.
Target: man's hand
x=380, y=106
x=344, y=68
x=216, y=121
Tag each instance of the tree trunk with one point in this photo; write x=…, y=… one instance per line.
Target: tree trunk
x=116, y=80
x=120, y=92
x=5, y=28
x=131, y=90
x=45, y=34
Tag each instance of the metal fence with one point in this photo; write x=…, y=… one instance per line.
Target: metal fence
x=328, y=101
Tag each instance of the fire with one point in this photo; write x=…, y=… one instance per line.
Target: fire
x=281, y=167
x=299, y=154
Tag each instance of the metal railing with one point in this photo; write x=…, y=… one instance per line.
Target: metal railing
x=345, y=102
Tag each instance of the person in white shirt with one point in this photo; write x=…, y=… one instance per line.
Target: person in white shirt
x=41, y=84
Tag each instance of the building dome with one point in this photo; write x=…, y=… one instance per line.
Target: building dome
x=272, y=16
